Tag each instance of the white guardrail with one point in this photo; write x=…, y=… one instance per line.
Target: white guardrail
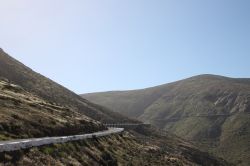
x=7, y=146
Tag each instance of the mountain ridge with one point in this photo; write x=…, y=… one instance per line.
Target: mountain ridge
x=44, y=87
x=32, y=106
x=211, y=108
x=247, y=80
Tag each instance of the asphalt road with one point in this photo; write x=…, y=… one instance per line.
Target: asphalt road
x=12, y=145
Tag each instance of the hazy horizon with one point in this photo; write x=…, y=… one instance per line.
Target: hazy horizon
x=93, y=46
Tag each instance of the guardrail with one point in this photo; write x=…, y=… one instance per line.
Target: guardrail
x=125, y=125
x=7, y=146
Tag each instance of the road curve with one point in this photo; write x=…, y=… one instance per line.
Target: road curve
x=7, y=146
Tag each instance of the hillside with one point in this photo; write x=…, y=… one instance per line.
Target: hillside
x=24, y=115
x=113, y=150
x=49, y=90
x=33, y=106
x=212, y=111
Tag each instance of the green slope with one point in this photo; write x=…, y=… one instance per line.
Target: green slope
x=211, y=110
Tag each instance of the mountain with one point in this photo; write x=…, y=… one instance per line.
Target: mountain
x=213, y=111
x=25, y=115
x=32, y=105
x=49, y=90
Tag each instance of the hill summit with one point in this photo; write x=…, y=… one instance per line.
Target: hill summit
x=211, y=110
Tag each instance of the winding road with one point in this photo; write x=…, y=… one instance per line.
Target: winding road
x=7, y=146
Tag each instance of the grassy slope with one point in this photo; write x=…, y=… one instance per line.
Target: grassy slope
x=113, y=150
x=24, y=115
x=180, y=108
x=37, y=84
x=34, y=106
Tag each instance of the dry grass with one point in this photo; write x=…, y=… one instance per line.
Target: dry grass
x=114, y=151
x=23, y=115
x=176, y=107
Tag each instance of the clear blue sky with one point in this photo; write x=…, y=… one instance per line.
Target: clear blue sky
x=101, y=45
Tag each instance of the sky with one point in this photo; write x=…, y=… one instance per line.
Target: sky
x=102, y=45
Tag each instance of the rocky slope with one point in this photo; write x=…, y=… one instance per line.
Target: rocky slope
x=212, y=111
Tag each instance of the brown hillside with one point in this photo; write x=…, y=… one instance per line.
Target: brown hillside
x=33, y=82
x=213, y=111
